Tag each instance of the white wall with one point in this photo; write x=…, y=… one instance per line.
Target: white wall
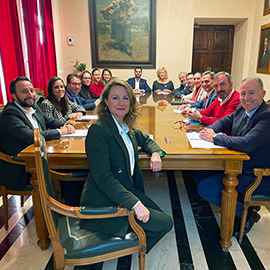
x=175, y=19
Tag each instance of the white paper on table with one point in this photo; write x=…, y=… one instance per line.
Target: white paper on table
x=177, y=111
x=90, y=117
x=197, y=142
x=78, y=133
x=151, y=136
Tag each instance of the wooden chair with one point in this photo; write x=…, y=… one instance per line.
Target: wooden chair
x=71, y=244
x=253, y=200
x=4, y=192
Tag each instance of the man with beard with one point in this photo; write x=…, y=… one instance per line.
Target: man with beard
x=137, y=83
x=183, y=82
x=225, y=103
x=17, y=123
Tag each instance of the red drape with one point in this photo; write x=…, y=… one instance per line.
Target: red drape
x=1, y=96
x=42, y=61
x=10, y=44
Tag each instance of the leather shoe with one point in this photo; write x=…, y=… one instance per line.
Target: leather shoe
x=254, y=218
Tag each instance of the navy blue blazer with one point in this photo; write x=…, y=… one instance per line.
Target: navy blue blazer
x=143, y=84
x=199, y=105
x=254, y=140
x=88, y=104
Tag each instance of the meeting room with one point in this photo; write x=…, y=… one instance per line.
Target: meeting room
x=134, y=134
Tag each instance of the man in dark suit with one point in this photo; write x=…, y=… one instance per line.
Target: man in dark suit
x=249, y=126
x=17, y=123
x=138, y=84
x=208, y=87
x=264, y=59
x=187, y=85
x=73, y=88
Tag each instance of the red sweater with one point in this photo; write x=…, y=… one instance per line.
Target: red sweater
x=216, y=111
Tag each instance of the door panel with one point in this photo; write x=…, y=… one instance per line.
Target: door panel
x=213, y=48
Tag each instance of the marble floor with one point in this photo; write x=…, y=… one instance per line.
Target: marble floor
x=192, y=244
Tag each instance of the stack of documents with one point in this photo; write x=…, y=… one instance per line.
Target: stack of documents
x=78, y=133
x=197, y=142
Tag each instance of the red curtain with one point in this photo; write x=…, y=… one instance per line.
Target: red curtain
x=10, y=44
x=42, y=60
x=48, y=46
x=1, y=96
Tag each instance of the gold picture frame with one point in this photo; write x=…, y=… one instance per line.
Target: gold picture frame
x=263, y=63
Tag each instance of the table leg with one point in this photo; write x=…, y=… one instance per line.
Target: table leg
x=41, y=228
x=228, y=205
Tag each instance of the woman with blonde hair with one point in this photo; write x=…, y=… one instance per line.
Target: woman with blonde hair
x=114, y=175
x=163, y=85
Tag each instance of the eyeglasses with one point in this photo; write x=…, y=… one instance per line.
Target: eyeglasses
x=182, y=126
x=76, y=84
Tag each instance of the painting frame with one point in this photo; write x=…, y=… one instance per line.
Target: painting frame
x=263, y=62
x=266, y=7
x=112, y=53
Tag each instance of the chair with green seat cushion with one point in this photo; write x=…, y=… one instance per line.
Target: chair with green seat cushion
x=71, y=244
x=251, y=199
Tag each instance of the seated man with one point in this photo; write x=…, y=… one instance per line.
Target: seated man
x=250, y=129
x=190, y=87
x=198, y=94
x=225, y=104
x=138, y=84
x=17, y=123
x=208, y=87
x=73, y=88
x=183, y=82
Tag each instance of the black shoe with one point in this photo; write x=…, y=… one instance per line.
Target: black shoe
x=254, y=218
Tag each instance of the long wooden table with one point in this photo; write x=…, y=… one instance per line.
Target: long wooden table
x=157, y=119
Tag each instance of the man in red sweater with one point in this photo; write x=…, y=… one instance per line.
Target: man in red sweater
x=226, y=102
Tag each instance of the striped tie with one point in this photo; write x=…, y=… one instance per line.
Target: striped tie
x=242, y=125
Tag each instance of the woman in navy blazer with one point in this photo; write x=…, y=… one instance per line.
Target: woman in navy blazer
x=114, y=176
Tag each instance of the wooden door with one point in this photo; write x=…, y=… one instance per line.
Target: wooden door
x=212, y=48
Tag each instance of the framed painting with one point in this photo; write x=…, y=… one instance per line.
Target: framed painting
x=123, y=33
x=263, y=65
x=266, y=9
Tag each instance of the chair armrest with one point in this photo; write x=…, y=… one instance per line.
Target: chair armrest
x=98, y=211
x=12, y=159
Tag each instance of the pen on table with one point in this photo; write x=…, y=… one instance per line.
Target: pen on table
x=165, y=139
x=169, y=139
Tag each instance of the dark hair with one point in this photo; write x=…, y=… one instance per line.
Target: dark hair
x=190, y=73
x=228, y=76
x=130, y=117
x=211, y=73
x=86, y=71
x=12, y=85
x=138, y=68
x=106, y=69
x=93, y=70
x=61, y=106
x=72, y=75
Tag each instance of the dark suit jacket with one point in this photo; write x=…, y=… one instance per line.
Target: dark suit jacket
x=178, y=92
x=143, y=84
x=109, y=182
x=254, y=140
x=199, y=105
x=88, y=104
x=16, y=133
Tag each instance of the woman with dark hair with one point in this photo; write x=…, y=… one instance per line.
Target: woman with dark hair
x=96, y=87
x=86, y=79
x=57, y=104
x=106, y=76
x=114, y=175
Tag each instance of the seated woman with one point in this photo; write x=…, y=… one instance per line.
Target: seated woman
x=163, y=85
x=57, y=104
x=114, y=176
x=86, y=79
x=96, y=87
x=106, y=76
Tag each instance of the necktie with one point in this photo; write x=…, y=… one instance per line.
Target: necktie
x=205, y=101
x=242, y=125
